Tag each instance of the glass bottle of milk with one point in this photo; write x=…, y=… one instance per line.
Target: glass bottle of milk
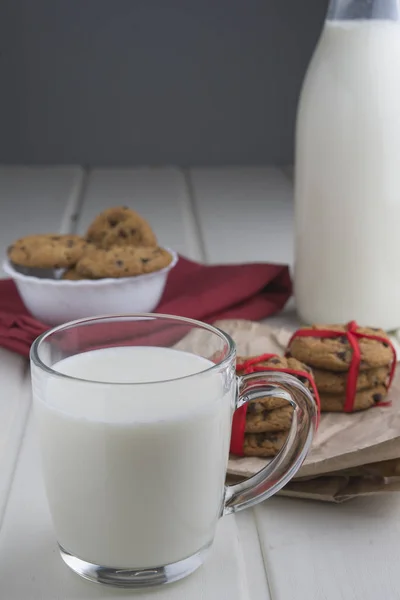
x=347, y=170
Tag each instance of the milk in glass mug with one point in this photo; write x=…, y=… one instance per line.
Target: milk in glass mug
x=134, y=415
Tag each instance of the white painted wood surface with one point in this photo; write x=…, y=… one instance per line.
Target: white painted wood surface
x=31, y=200
x=281, y=550
x=318, y=551
x=14, y=405
x=244, y=214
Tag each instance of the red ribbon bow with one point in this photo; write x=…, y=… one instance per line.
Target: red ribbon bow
x=252, y=365
x=352, y=336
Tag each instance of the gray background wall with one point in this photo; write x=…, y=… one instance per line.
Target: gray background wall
x=134, y=82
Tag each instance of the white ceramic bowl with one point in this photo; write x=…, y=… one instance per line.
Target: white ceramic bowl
x=56, y=301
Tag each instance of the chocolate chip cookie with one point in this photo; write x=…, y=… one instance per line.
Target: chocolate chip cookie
x=334, y=382
x=263, y=444
x=125, y=261
x=120, y=226
x=363, y=399
x=47, y=251
x=260, y=405
x=72, y=275
x=153, y=259
x=279, y=419
x=277, y=362
x=335, y=354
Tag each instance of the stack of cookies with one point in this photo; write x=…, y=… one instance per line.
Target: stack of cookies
x=330, y=359
x=268, y=419
x=119, y=243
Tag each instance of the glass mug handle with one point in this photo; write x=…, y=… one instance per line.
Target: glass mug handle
x=285, y=465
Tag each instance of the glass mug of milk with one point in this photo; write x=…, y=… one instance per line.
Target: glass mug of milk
x=134, y=415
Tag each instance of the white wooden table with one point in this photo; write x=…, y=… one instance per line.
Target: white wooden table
x=281, y=550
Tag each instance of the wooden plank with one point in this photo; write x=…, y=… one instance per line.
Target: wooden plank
x=256, y=574
x=159, y=194
x=244, y=214
x=27, y=539
x=34, y=200
x=331, y=552
x=14, y=405
x=31, y=200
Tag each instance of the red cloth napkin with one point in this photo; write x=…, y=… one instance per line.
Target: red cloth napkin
x=202, y=292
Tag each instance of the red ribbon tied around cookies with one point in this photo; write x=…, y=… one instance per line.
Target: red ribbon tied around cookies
x=252, y=365
x=353, y=336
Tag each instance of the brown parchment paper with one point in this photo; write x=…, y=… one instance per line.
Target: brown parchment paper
x=352, y=454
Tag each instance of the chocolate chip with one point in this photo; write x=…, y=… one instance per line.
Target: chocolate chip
x=377, y=397
x=385, y=344
x=145, y=260
x=342, y=339
x=70, y=243
x=251, y=408
x=274, y=361
x=119, y=263
x=262, y=437
x=374, y=328
x=122, y=234
x=55, y=237
x=288, y=355
x=342, y=355
x=133, y=231
x=112, y=222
